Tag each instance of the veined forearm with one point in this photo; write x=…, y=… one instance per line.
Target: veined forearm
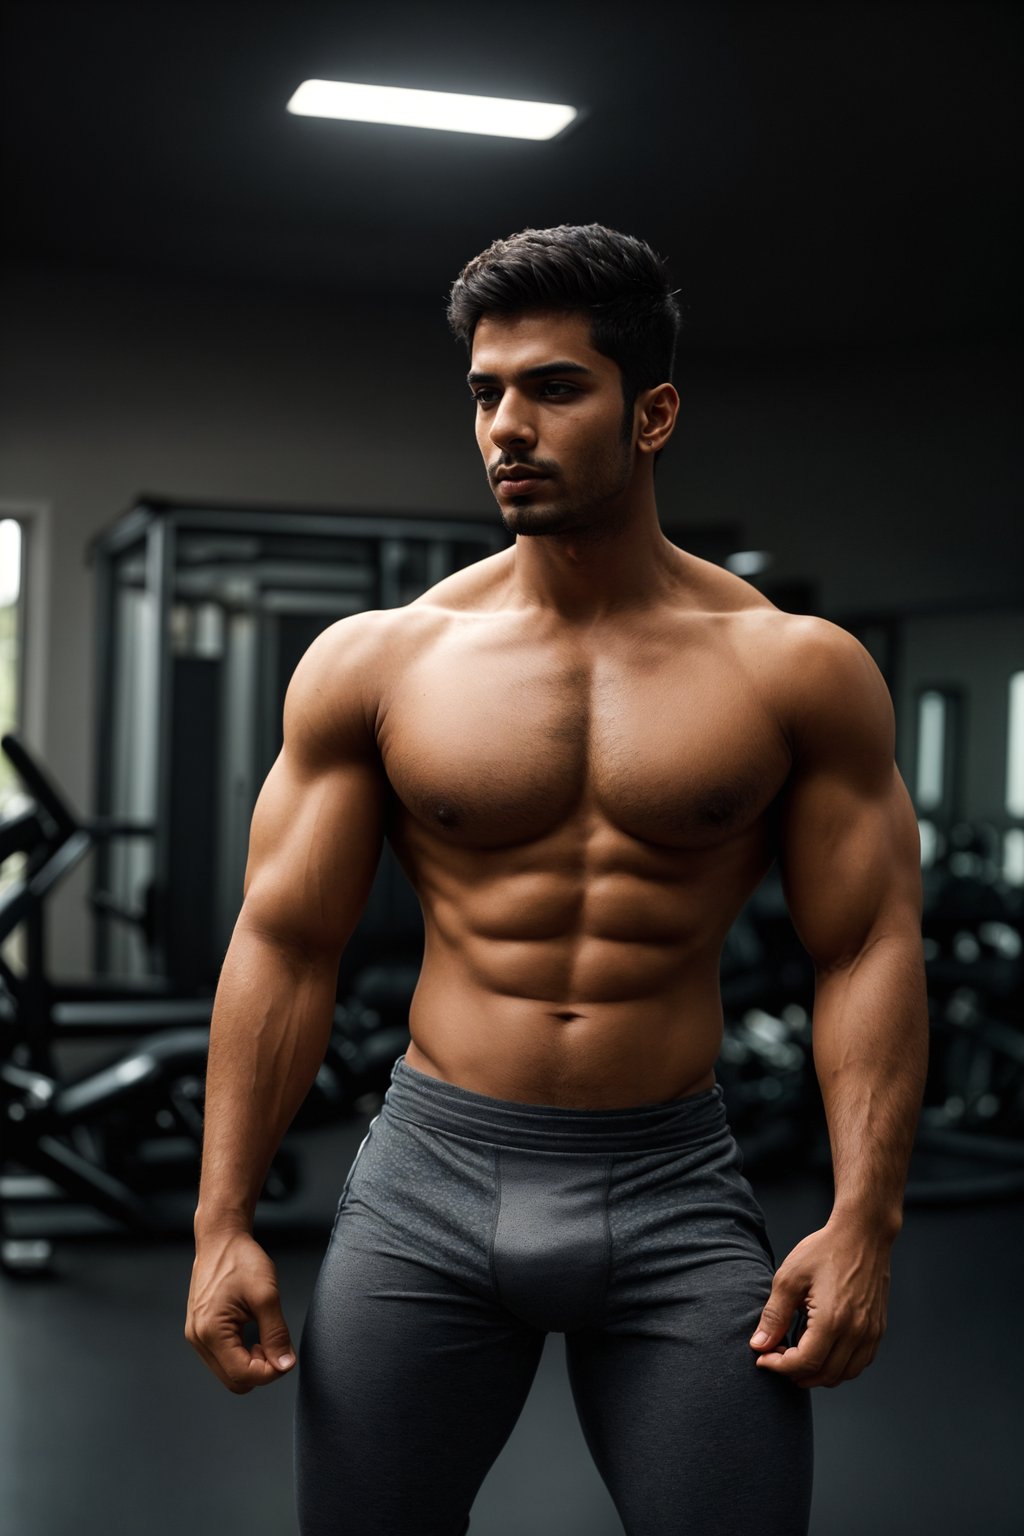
x=870, y=1041
x=271, y=1022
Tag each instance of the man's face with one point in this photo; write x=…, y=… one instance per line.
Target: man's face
x=549, y=405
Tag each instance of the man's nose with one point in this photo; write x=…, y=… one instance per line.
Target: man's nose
x=511, y=425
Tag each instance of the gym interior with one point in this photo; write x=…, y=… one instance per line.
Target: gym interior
x=231, y=414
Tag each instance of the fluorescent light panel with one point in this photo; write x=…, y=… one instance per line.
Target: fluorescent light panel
x=430, y=109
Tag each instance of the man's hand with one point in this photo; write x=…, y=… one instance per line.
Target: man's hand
x=233, y=1281
x=840, y=1276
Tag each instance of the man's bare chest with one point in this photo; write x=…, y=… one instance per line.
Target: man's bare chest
x=489, y=746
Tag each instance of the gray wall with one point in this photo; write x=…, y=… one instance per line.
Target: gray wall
x=892, y=479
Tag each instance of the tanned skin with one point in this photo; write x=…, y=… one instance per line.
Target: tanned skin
x=586, y=751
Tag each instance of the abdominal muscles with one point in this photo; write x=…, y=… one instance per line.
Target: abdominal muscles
x=574, y=971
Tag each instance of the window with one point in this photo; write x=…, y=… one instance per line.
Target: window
x=938, y=766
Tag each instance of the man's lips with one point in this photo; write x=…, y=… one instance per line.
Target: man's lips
x=520, y=487
x=517, y=481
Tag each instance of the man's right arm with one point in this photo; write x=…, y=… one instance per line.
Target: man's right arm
x=314, y=848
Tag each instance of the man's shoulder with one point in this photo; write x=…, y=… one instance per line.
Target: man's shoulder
x=374, y=636
x=819, y=681
x=830, y=693
x=819, y=654
x=803, y=644
x=370, y=647
x=467, y=590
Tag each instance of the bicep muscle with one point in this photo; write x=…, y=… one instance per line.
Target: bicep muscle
x=317, y=829
x=849, y=852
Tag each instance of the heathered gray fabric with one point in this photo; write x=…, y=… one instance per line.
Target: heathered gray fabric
x=469, y=1227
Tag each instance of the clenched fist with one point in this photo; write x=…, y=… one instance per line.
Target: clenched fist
x=234, y=1281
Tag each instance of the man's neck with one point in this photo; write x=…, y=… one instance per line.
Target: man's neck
x=585, y=579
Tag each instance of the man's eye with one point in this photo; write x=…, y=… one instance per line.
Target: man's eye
x=484, y=396
x=555, y=386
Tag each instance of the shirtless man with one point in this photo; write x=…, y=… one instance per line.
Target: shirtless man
x=586, y=751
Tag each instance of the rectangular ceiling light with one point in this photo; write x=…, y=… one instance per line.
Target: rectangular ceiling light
x=430, y=109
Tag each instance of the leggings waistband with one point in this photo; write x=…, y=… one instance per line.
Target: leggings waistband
x=444, y=1106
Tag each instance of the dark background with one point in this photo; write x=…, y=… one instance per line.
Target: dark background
x=208, y=299
x=820, y=175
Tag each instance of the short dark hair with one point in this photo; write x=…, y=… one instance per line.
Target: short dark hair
x=615, y=279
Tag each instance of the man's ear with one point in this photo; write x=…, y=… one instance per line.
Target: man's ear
x=657, y=410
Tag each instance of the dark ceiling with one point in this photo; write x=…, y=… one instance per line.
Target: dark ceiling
x=817, y=174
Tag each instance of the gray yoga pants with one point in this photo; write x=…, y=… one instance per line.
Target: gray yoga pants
x=468, y=1228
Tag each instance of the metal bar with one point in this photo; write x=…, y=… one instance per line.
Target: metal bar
x=161, y=548
x=106, y=619
x=38, y=783
x=376, y=526
x=82, y=1179
x=128, y=529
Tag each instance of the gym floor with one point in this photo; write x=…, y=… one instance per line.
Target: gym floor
x=111, y=1424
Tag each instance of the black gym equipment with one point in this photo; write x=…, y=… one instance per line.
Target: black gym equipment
x=970, y=1142
x=45, y=1125
x=116, y=1135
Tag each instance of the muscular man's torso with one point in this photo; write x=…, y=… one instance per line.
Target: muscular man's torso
x=582, y=810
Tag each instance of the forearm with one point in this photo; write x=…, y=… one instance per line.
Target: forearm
x=870, y=1042
x=271, y=1023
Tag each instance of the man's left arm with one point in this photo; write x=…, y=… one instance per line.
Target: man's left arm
x=849, y=854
